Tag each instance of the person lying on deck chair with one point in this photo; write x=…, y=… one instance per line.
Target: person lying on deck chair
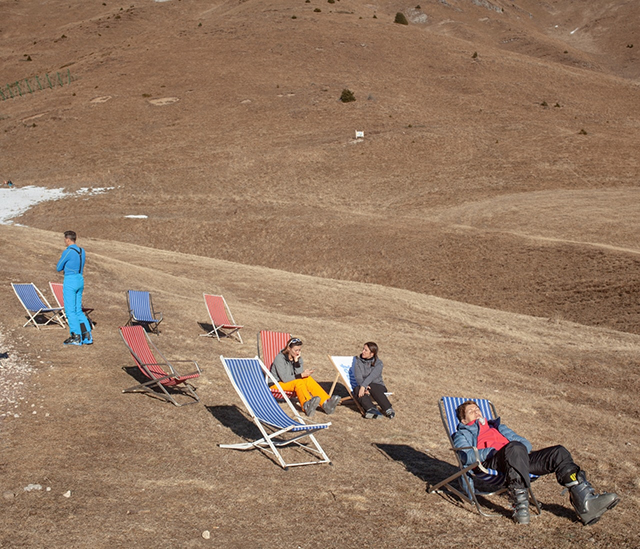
x=288, y=369
x=505, y=451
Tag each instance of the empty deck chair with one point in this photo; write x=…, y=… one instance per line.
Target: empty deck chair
x=141, y=311
x=221, y=318
x=344, y=368
x=474, y=472
x=160, y=372
x=56, y=290
x=247, y=376
x=40, y=312
x=269, y=345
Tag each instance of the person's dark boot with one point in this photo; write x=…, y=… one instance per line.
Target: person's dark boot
x=87, y=339
x=589, y=505
x=520, y=498
x=74, y=339
x=311, y=405
x=330, y=404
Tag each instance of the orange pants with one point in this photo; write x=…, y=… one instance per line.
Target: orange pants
x=305, y=388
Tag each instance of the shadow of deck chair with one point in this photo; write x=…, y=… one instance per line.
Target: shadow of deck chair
x=247, y=375
x=141, y=311
x=221, y=318
x=344, y=368
x=269, y=345
x=474, y=473
x=40, y=313
x=157, y=369
x=57, y=291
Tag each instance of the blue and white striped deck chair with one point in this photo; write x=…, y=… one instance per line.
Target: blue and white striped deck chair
x=474, y=471
x=247, y=375
x=37, y=306
x=141, y=311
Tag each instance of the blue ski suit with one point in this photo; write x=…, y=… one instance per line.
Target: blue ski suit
x=72, y=263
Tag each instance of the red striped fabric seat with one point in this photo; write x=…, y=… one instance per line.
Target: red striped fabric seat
x=269, y=345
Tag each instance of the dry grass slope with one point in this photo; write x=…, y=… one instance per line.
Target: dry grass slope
x=484, y=233
x=143, y=472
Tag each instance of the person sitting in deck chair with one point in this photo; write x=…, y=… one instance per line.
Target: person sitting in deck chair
x=288, y=369
x=508, y=453
x=367, y=369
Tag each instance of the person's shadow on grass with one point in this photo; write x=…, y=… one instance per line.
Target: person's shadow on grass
x=431, y=471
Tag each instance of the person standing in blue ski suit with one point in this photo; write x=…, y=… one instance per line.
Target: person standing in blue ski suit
x=72, y=263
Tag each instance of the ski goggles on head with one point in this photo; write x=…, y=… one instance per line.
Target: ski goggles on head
x=294, y=342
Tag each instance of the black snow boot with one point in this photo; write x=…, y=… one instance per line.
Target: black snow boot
x=73, y=339
x=520, y=498
x=589, y=505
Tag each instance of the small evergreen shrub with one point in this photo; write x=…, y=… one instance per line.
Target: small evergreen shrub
x=401, y=19
x=347, y=96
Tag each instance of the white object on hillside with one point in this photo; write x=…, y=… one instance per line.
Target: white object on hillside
x=359, y=134
x=17, y=200
x=137, y=216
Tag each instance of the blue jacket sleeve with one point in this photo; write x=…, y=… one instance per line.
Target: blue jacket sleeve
x=512, y=436
x=63, y=260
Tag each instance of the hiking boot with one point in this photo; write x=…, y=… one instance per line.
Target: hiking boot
x=520, y=498
x=74, y=339
x=372, y=413
x=330, y=404
x=311, y=405
x=390, y=413
x=589, y=505
x=87, y=339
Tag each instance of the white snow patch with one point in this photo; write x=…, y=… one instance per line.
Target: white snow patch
x=137, y=216
x=16, y=201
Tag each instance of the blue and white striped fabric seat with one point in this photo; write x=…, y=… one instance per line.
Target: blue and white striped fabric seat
x=249, y=378
x=141, y=310
x=247, y=375
x=450, y=404
x=36, y=304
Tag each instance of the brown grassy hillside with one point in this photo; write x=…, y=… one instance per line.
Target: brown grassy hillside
x=256, y=161
x=143, y=473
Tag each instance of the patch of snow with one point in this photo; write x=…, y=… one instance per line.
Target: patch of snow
x=17, y=200
x=137, y=216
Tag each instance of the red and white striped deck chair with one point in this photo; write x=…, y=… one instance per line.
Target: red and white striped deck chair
x=152, y=363
x=56, y=290
x=269, y=345
x=221, y=318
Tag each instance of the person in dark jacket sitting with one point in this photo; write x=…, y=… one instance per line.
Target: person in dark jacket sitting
x=502, y=449
x=367, y=370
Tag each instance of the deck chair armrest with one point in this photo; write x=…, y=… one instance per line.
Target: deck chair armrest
x=189, y=362
x=146, y=365
x=478, y=462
